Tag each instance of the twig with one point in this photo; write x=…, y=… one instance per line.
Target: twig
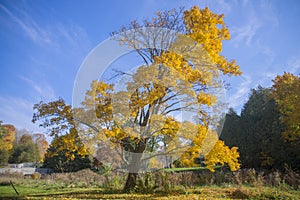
x=14, y=187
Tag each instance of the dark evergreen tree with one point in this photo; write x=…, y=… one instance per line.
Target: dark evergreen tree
x=258, y=134
x=231, y=129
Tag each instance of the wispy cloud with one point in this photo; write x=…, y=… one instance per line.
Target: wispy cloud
x=225, y=6
x=246, y=33
x=254, y=17
x=237, y=96
x=51, y=39
x=293, y=65
x=19, y=112
x=50, y=35
x=268, y=13
x=42, y=89
x=29, y=26
x=75, y=36
x=251, y=34
x=267, y=52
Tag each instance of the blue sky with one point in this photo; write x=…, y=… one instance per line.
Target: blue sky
x=43, y=44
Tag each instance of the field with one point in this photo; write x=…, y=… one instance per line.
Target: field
x=85, y=184
x=204, y=192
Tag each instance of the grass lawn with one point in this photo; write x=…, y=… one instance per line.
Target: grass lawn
x=201, y=192
x=86, y=184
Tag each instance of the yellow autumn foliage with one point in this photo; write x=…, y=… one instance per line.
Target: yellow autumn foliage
x=69, y=144
x=209, y=29
x=175, y=79
x=7, y=140
x=285, y=91
x=164, y=106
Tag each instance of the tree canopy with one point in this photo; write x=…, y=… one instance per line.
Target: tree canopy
x=25, y=150
x=285, y=91
x=7, y=137
x=168, y=107
x=67, y=154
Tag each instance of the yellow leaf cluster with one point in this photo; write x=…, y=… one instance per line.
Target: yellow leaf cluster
x=193, y=152
x=178, y=63
x=102, y=88
x=115, y=134
x=205, y=98
x=175, y=62
x=146, y=95
x=99, y=98
x=7, y=140
x=209, y=29
x=206, y=143
x=170, y=127
x=221, y=154
x=286, y=92
x=69, y=144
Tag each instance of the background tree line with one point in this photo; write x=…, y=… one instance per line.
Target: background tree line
x=267, y=130
x=18, y=146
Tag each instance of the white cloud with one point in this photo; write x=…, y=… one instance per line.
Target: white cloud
x=30, y=27
x=237, y=96
x=267, y=51
x=53, y=39
x=293, y=66
x=18, y=112
x=254, y=17
x=75, y=36
x=42, y=89
x=226, y=7
x=268, y=13
x=246, y=33
x=53, y=36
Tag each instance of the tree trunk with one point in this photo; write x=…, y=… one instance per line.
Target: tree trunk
x=134, y=167
x=130, y=182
